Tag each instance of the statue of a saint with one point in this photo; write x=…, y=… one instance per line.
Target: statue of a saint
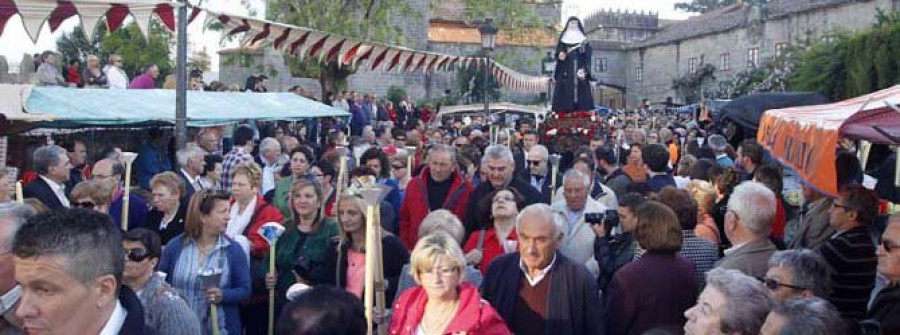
x=573, y=70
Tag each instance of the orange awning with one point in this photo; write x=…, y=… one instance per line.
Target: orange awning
x=806, y=138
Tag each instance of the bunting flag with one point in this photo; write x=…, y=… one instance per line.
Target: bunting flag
x=35, y=13
x=293, y=40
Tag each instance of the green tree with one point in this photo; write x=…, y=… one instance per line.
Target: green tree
x=471, y=84
x=375, y=21
x=703, y=6
x=691, y=87
x=128, y=42
x=200, y=60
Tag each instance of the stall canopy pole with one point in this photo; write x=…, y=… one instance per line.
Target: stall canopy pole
x=181, y=79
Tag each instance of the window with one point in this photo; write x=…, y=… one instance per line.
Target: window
x=692, y=65
x=639, y=74
x=600, y=65
x=780, y=49
x=753, y=57
x=726, y=61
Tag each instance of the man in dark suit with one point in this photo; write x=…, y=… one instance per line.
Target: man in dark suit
x=540, y=176
x=53, y=167
x=191, y=162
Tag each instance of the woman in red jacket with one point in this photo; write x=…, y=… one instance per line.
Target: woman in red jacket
x=484, y=245
x=442, y=303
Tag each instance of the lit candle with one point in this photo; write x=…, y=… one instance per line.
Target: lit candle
x=369, y=297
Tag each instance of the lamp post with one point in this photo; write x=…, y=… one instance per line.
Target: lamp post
x=488, y=39
x=548, y=65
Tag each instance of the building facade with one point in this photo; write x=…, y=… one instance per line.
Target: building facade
x=446, y=26
x=735, y=38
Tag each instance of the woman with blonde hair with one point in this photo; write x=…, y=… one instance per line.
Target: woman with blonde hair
x=443, y=303
x=300, y=254
x=349, y=254
x=92, y=194
x=93, y=74
x=705, y=195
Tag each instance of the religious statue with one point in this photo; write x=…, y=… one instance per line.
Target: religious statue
x=573, y=70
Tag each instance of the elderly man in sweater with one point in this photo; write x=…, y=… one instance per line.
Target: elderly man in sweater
x=538, y=290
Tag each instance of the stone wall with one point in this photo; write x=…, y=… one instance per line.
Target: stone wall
x=664, y=63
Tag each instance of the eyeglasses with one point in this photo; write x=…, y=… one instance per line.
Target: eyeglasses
x=84, y=204
x=534, y=162
x=837, y=205
x=398, y=166
x=137, y=254
x=773, y=284
x=445, y=272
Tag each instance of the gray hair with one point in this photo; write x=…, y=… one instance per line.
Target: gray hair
x=88, y=241
x=754, y=204
x=540, y=150
x=269, y=143
x=47, y=156
x=15, y=215
x=807, y=268
x=184, y=155
x=717, y=143
x=811, y=315
x=575, y=173
x=496, y=152
x=442, y=148
x=445, y=221
x=747, y=303
x=543, y=212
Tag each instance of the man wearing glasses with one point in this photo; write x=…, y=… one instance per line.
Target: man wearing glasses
x=886, y=306
x=796, y=274
x=112, y=172
x=539, y=171
x=748, y=223
x=850, y=253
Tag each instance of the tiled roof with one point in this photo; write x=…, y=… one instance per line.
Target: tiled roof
x=731, y=17
x=455, y=32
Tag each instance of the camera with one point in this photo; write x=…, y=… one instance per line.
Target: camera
x=611, y=218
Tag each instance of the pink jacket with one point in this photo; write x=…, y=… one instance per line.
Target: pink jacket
x=473, y=316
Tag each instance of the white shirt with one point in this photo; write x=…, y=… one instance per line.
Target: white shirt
x=195, y=181
x=116, y=77
x=59, y=190
x=541, y=274
x=9, y=299
x=239, y=220
x=116, y=320
x=268, y=176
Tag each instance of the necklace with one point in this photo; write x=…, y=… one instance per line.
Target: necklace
x=435, y=323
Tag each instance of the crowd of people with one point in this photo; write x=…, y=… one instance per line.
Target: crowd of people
x=657, y=225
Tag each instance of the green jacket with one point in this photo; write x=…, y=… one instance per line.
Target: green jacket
x=282, y=193
x=314, y=249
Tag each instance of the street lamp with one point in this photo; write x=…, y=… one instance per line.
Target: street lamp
x=488, y=39
x=548, y=65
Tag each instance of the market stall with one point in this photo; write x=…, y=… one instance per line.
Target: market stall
x=806, y=138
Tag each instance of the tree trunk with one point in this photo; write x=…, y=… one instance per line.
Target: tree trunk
x=333, y=78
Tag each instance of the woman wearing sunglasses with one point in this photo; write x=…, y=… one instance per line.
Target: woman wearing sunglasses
x=165, y=312
x=91, y=194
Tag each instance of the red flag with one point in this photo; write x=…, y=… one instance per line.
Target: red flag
x=298, y=43
x=281, y=38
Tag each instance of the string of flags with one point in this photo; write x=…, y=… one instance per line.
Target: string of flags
x=291, y=40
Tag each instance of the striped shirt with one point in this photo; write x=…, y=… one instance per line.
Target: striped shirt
x=852, y=263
